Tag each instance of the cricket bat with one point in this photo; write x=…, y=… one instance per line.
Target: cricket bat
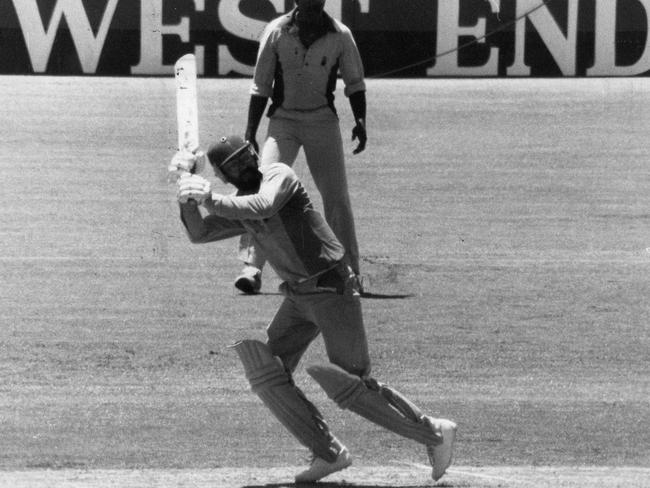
x=186, y=103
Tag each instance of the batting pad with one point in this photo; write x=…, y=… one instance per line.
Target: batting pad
x=375, y=402
x=273, y=384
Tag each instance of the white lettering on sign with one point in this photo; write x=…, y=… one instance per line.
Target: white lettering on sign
x=229, y=65
x=605, y=48
x=237, y=24
x=335, y=7
x=563, y=49
x=39, y=38
x=560, y=41
x=447, y=43
x=152, y=31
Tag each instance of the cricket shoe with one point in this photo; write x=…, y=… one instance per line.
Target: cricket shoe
x=440, y=455
x=319, y=468
x=249, y=281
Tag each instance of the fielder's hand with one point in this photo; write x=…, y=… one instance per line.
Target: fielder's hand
x=359, y=132
x=193, y=187
x=185, y=161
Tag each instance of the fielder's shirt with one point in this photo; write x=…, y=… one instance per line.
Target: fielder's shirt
x=304, y=79
x=281, y=219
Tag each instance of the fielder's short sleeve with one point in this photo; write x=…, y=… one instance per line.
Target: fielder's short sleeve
x=266, y=61
x=351, y=66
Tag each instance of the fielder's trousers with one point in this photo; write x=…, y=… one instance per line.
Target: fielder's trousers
x=319, y=134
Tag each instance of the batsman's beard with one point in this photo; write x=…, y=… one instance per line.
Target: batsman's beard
x=249, y=180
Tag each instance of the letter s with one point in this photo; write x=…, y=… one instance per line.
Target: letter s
x=234, y=22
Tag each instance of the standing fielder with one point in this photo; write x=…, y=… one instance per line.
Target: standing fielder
x=299, y=57
x=272, y=206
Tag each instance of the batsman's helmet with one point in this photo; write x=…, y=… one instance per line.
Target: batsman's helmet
x=227, y=156
x=227, y=148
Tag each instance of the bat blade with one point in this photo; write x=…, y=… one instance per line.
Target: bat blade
x=186, y=103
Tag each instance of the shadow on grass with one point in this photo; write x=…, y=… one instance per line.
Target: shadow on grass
x=260, y=294
x=382, y=296
x=343, y=484
x=365, y=294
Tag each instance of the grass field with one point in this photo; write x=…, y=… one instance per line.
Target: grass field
x=504, y=227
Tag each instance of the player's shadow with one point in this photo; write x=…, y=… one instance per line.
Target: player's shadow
x=259, y=294
x=383, y=296
x=365, y=294
x=332, y=485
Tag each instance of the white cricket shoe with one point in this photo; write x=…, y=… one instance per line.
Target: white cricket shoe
x=440, y=455
x=249, y=281
x=319, y=468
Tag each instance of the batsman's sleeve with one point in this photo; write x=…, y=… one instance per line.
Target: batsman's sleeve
x=210, y=228
x=351, y=65
x=264, y=74
x=278, y=186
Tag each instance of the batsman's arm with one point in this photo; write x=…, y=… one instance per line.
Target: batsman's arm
x=279, y=185
x=201, y=229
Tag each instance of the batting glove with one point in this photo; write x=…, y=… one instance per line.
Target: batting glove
x=193, y=187
x=185, y=161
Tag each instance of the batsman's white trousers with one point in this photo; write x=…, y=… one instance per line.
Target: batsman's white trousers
x=319, y=134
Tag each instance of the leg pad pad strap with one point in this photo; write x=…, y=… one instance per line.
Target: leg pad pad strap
x=375, y=402
x=273, y=384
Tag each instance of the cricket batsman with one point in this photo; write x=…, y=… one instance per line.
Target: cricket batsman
x=320, y=297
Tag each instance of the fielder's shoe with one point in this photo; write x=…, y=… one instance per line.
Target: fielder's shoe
x=249, y=281
x=440, y=455
x=319, y=468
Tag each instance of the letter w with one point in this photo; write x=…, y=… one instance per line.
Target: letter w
x=39, y=39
